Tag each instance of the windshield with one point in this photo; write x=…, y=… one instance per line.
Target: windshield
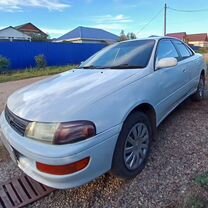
x=132, y=54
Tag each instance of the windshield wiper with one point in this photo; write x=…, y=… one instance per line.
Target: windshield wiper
x=121, y=66
x=125, y=66
x=88, y=67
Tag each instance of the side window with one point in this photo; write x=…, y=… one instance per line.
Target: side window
x=190, y=51
x=183, y=50
x=166, y=50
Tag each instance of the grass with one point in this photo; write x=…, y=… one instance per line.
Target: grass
x=198, y=196
x=196, y=202
x=33, y=72
x=202, y=180
x=203, y=50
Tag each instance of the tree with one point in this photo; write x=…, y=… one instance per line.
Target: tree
x=129, y=36
x=122, y=36
x=4, y=64
x=39, y=37
x=132, y=36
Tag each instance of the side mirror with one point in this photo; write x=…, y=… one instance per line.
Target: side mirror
x=166, y=63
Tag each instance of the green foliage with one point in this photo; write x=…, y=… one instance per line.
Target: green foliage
x=39, y=37
x=202, y=180
x=41, y=62
x=133, y=36
x=123, y=37
x=33, y=72
x=203, y=50
x=196, y=202
x=4, y=63
x=129, y=36
x=198, y=199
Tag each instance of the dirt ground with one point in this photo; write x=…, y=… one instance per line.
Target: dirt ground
x=178, y=155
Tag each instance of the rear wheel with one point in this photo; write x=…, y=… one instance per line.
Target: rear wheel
x=199, y=94
x=133, y=146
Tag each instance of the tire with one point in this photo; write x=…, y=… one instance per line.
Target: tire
x=199, y=94
x=121, y=164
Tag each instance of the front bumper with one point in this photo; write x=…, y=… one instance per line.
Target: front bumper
x=99, y=148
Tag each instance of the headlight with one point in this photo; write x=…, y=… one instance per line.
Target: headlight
x=60, y=133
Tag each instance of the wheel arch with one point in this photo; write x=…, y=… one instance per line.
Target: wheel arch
x=150, y=111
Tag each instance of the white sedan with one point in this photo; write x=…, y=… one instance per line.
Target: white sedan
x=69, y=129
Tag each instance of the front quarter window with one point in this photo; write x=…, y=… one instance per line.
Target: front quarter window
x=130, y=54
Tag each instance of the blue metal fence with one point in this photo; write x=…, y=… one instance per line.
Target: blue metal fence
x=21, y=54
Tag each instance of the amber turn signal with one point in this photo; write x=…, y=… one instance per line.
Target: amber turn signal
x=63, y=169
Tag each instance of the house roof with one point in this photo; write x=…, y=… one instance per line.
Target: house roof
x=89, y=33
x=14, y=33
x=197, y=37
x=20, y=26
x=3, y=29
x=180, y=35
x=24, y=27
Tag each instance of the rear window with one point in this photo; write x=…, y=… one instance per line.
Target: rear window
x=183, y=50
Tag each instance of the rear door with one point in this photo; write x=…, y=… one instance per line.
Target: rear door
x=189, y=64
x=170, y=81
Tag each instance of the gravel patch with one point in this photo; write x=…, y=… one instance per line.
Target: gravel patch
x=178, y=155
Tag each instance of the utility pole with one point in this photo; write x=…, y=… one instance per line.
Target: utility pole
x=165, y=19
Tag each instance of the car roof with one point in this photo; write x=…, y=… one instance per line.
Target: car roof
x=157, y=38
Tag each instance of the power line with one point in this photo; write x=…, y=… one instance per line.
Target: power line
x=191, y=11
x=173, y=9
x=151, y=20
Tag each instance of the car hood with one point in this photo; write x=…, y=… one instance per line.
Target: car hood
x=55, y=98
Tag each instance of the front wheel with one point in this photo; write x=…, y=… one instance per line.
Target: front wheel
x=199, y=94
x=133, y=146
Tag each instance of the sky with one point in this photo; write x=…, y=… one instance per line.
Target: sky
x=143, y=17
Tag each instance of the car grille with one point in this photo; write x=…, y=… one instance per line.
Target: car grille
x=18, y=124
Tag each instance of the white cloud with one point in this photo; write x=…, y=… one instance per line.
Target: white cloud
x=120, y=18
x=112, y=27
x=19, y=5
x=114, y=23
